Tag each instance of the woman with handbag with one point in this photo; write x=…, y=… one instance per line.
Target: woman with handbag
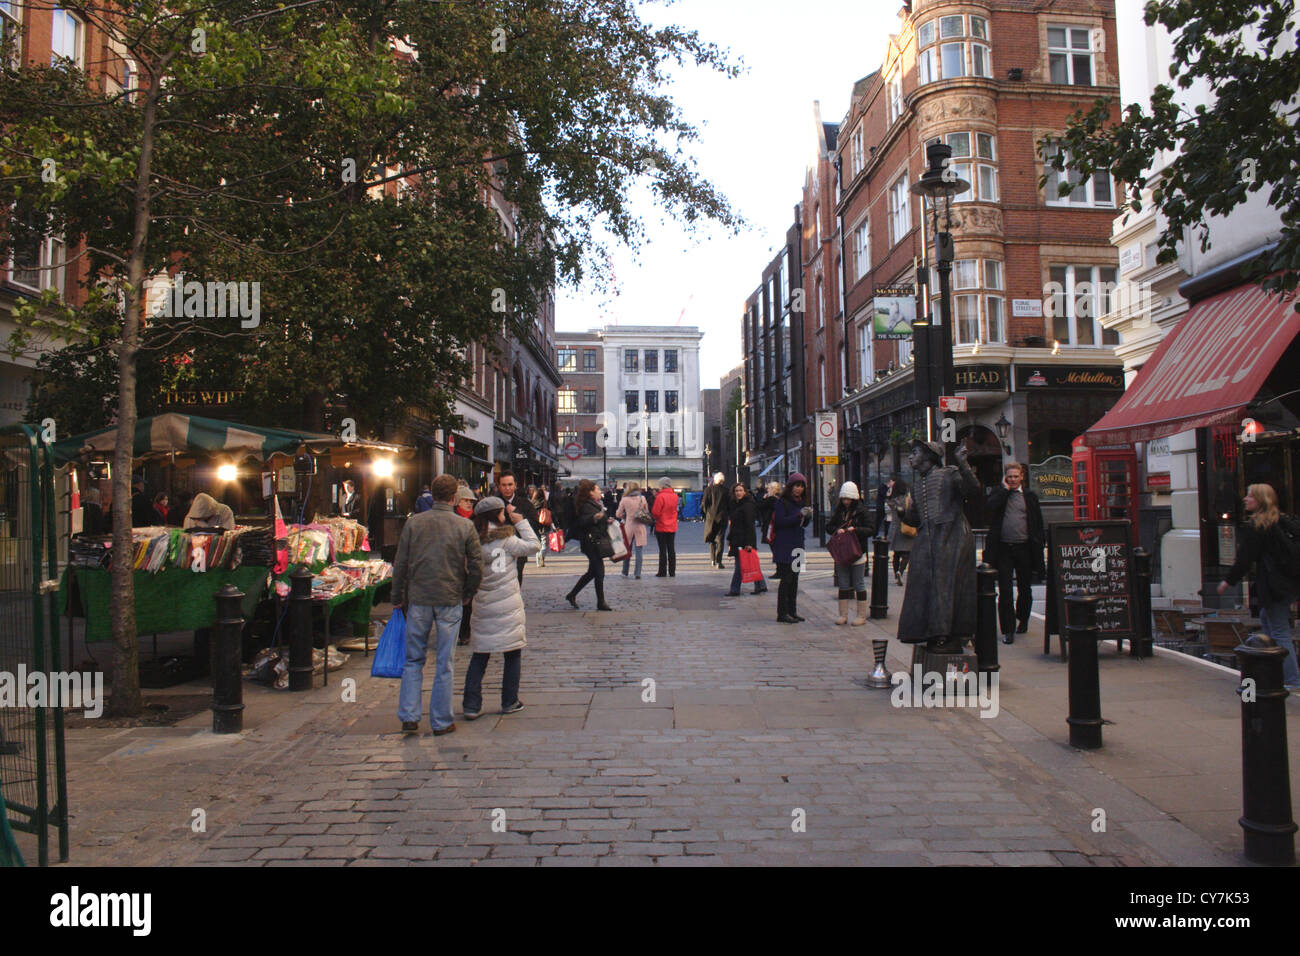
x=742, y=517
x=635, y=515
x=851, y=528
x=900, y=532
x=590, y=523
x=789, y=515
x=544, y=520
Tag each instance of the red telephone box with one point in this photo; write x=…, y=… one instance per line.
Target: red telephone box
x=1105, y=482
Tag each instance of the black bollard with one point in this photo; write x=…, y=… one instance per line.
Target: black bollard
x=227, y=679
x=1085, y=682
x=1143, y=644
x=300, y=638
x=880, y=580
x=1265, y=777
x=986, y=618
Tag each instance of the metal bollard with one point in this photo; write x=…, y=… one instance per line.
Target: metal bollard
x=1265, y=777
x=227, y=676
x=880, y=580
x=1085, y=681
x=986, y=618
x=300, y=638
x=1143, y=644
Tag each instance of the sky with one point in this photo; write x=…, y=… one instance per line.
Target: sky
x=757, y=138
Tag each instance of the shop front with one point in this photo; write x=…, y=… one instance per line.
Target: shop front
x=1221, y=390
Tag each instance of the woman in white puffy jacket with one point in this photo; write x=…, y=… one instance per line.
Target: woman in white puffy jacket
x=498, y=607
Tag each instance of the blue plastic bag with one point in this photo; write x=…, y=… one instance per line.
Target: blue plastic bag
x=390, y=655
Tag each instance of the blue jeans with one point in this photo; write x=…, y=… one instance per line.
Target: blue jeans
x=851, y=577
x=420, y=621
x=636, y=548
x=1275, y=621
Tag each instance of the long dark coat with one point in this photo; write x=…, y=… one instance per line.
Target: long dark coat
x=743, y=515
x=940, y=596
x=715, y=510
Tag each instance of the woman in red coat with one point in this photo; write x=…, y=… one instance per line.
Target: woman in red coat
x=664, y=511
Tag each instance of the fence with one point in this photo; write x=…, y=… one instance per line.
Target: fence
x=33, y=771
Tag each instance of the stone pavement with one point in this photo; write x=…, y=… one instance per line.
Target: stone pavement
x=758, y=747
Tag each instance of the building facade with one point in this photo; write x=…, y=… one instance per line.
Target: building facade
x=731, y=395
x=580, y=357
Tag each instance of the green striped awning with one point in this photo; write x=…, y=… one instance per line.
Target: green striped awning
x=181, y=434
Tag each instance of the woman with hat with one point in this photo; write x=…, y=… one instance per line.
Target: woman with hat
x=506, y=536
x=664, y=511
x=851, y=517
x=790, y=514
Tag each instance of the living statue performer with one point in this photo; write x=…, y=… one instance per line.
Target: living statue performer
x=939, y=603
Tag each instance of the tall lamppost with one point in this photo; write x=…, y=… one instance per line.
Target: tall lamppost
x=938, y=185
x=708, y=458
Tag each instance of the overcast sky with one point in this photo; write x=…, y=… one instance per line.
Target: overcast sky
x=756, y=140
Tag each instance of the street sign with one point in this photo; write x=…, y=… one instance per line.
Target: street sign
x=952, y=403
x=573, y=451
x=828, y=439
x=451, y=444
x=828, y=459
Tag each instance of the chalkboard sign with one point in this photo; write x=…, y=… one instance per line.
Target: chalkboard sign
x=1095, y=557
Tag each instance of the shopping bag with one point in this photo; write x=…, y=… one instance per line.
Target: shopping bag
x=620, y=549
x=770, y=537
x=750, y=571
x=390, y=655
x=555, y=541
x=845, y=548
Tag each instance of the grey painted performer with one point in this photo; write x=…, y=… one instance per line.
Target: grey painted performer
x=939, y=603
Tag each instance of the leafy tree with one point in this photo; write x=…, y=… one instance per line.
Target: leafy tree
x=265, y=142
x=1246, y=141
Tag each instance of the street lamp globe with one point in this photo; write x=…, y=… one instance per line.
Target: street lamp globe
x=939, y=184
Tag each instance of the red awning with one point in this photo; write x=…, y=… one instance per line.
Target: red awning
x=1206, y=370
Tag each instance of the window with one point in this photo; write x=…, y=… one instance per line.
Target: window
x=652, y=360
x=978, y=311
x=588, y=401
x=567, y=359
x=895, y=101
x=632, y=402
x=861, y=251
x=9, y=28
x=589, y=360
x=652, y=401
x=963, y=56
x=37, y=261
x=856, y=160
x=1094, y=190
x=817, y=301
x=630, y=360
x=568, y=401
x=865, y=371
x=65, y=38
x=672, y=448
x=784, y=275
x=1077, y=298
x=821, y=378
x=900, y=217
x=589, y=444
x=983, y=177
x=670, y=401
x=1069, y=55
x=566, y=437
x=670, y=360
x=634, y=439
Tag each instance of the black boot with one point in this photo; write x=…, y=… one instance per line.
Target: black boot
x=571, y=598
x=600, y=598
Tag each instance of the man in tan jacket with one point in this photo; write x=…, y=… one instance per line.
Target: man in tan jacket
x=438, y=568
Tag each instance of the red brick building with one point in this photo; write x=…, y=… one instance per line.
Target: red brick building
x=1032, y=270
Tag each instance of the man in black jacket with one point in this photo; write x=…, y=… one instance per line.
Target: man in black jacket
x=1015, y=544
x=715, y=519
x=509, y=492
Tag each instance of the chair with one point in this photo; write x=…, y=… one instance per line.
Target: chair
x=1224, y=635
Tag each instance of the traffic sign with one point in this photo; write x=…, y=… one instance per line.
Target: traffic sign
x=828, y=459
x=573, y=451
x=828, y=439
x=952, y=403
x=451, y=444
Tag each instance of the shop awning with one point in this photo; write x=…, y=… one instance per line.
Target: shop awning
x=775, y=461
x=174, y=433
x=1206, y=371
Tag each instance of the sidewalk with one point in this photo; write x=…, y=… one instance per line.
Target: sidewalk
x=755, y=729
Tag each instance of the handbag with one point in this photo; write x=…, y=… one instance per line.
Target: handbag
x=555, y=541
x=770, y=535
x=544, y=517
x=390, y=655
x=844, y=548
x=905, y=529
x=750, y=571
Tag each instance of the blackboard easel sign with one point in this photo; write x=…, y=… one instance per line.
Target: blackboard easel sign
x=1095, y=557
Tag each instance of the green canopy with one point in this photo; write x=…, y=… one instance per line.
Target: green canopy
x=187, y=434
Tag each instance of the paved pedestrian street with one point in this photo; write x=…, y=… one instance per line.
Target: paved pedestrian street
x=755, y=743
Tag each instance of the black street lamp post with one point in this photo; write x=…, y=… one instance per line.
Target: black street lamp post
x=937, y=186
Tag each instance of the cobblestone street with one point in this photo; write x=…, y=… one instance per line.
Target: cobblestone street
x=759, y=747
